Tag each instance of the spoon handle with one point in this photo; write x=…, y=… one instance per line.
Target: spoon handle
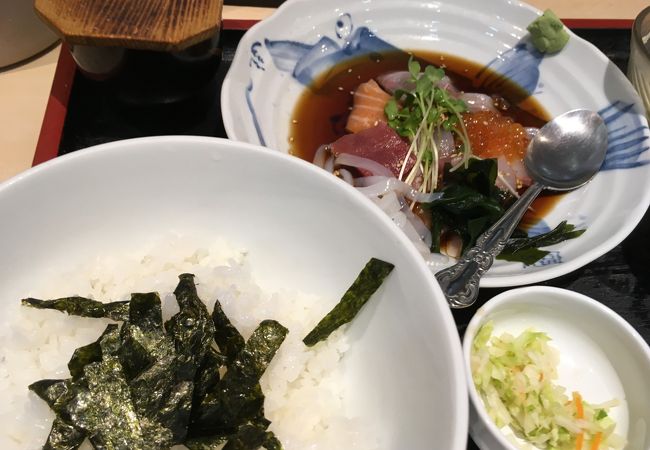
x=460, y=282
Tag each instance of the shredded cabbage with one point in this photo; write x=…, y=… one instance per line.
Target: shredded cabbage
x=515, y=376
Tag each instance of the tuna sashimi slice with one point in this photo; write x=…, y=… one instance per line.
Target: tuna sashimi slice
x=380, y=143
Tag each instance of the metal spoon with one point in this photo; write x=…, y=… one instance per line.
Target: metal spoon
x=565, y=154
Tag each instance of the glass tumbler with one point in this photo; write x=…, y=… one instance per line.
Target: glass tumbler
x=638, y=70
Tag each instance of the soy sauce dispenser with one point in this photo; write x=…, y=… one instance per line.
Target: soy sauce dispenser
x=149, y=53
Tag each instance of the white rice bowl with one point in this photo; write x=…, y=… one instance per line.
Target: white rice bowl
x=131, y=216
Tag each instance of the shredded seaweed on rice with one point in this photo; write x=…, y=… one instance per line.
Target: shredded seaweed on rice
x=155, y=368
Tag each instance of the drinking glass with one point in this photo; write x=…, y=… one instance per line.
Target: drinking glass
x=638, y=70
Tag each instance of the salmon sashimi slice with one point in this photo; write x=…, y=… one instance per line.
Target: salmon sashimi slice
x=368, y=107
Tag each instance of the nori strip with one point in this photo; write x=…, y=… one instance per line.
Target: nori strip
x=162, y=400
x=161, y=396
x=206, y=443
x=227, y=337
x=138, y=384
x=64, y=436
x=238, y=396
x=248, y=437
x=84, y=307
x=145, y=311
x=366, y=283
x=191, y=328
x=271, y=442
x=56, y=393
x=143, y=337
x=208, y=375
x=104, y=409
x=87, y=354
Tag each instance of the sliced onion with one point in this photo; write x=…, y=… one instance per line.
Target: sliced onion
x=478, y=102
x=376, y=186
x=438, y=261
x=400, y=219
x=346, y=176
x=346, y=159
x=389, y=203
x=445, y=143
x=329, y=164
x=321, y=155
x=418, y=225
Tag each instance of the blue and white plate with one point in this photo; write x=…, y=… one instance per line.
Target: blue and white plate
x=278, y=57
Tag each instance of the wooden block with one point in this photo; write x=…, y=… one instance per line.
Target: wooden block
x=164, y=25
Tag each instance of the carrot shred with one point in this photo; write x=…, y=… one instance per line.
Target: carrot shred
x=580, y=439
x=595, y=443
x=580, y=411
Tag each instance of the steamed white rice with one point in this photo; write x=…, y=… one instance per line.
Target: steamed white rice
x=305, y=395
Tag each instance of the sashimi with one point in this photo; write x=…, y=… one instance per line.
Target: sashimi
x=379, y=143
x=368, y=107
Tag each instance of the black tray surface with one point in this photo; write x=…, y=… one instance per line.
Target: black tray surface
x=620, y=279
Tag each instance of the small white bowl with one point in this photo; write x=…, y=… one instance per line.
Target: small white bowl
x=601, y=356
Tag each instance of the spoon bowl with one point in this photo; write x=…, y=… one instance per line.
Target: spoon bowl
x=565, y=154
x=568, y=151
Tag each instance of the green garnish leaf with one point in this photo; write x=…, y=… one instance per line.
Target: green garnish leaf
x=419, y=115
x=414, y=68
x=366, y=283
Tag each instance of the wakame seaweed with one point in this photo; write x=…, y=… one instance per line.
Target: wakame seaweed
x=366, y=283
x=471, y=203
x=146, y=384
x=525, y=249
